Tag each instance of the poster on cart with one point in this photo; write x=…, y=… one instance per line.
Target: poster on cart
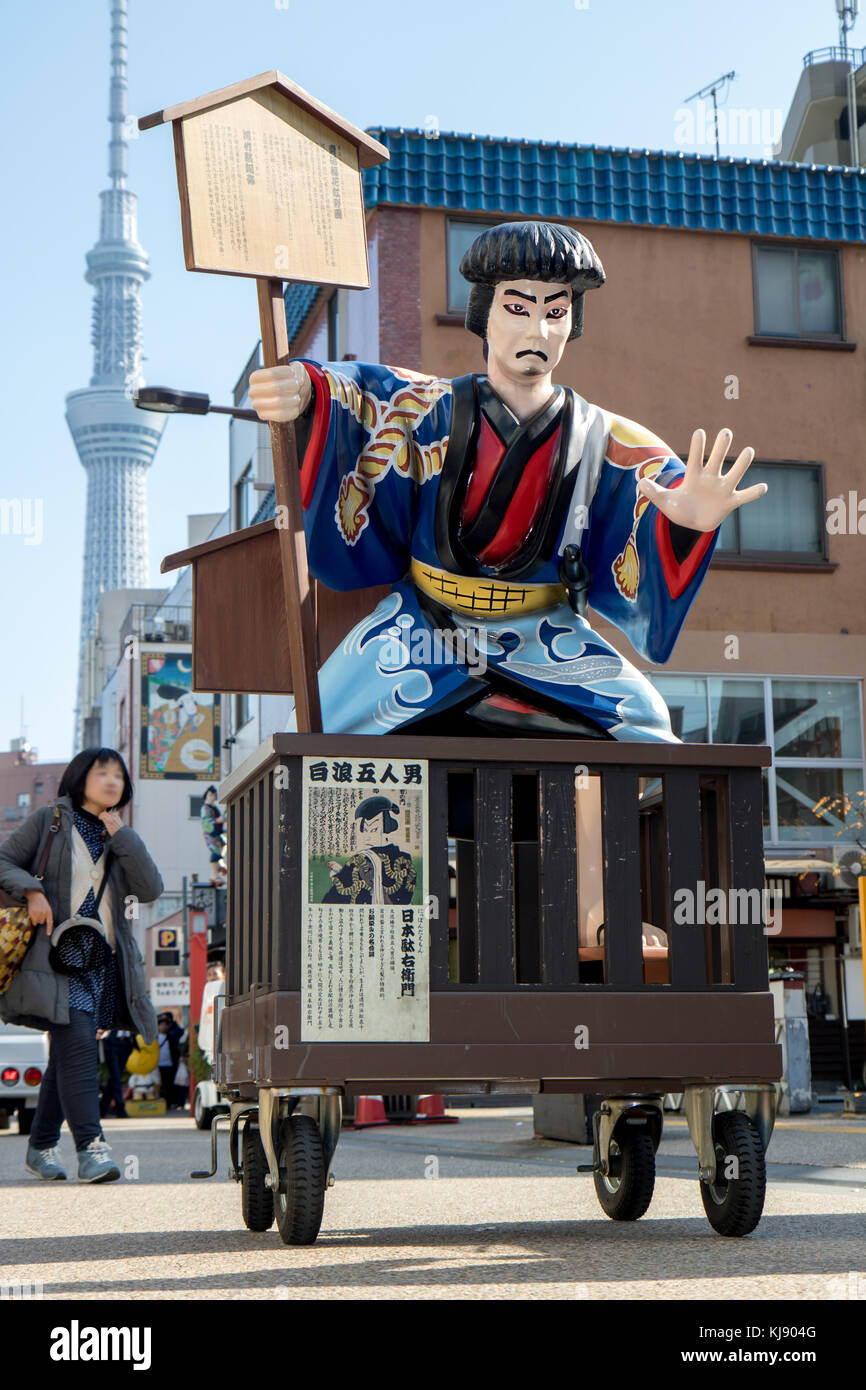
x=365, y=940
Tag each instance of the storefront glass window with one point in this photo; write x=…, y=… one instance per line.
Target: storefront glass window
x=737, y=710
x=686, y=698
x=816, y=719
x=799, y=789
x=814, y=729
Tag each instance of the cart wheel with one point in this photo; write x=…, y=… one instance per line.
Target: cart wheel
x=734, y=1205
x=626, y=1190
x=257, y=1201
x=301, y=1199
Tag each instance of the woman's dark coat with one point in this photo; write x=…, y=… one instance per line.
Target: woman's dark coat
x=38, y=996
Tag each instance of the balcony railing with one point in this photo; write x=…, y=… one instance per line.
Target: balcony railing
x=854, y=57
x=153, y=622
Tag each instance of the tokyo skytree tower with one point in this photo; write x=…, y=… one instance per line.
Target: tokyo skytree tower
x=115, y=441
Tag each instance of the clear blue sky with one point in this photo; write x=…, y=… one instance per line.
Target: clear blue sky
x=612, y=73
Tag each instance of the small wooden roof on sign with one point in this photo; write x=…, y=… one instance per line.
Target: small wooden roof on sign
x=369, y=150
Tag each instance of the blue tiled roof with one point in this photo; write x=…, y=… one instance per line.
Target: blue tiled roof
x=267, y=508
x=299, y=301
x=474, y=173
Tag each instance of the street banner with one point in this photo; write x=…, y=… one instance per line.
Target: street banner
x=365, y=945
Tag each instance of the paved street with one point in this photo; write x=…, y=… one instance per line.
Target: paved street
x=507, y=1216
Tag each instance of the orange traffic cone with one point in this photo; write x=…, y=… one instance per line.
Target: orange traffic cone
x=369, y=1111
x=431, y=1111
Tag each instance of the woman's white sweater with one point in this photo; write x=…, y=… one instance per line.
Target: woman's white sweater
x=87, y=874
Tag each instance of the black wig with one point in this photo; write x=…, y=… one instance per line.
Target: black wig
x=373, y=806
x=529, y=251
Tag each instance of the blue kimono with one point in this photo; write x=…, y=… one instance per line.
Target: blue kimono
x=434, y=486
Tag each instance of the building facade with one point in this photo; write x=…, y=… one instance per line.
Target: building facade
x=818, y=126
x=25, y=784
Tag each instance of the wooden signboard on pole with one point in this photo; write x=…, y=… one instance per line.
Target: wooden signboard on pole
x=270, y=187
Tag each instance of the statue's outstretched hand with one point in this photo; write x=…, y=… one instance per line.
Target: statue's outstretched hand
x=706, y=495
x=280, y=393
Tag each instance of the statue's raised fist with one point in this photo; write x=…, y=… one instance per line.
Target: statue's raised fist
x=280, y=393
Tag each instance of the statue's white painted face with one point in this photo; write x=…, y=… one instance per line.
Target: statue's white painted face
x=528, y=326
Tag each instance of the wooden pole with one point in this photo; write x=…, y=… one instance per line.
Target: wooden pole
x=298, y=593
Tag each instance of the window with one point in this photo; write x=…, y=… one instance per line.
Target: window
x=243, y=710
x=737, y=711
x=23, y=801
x=460, y=236
x=244, y=497
x=195, y=805
x=786, y=524
x=813, y=727
x=686, y=699
x=814, y=719
x=797, y=293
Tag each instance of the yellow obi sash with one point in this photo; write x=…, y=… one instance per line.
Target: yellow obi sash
x=484, y=598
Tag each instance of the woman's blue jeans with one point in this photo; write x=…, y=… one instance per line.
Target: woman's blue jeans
x=70, y=1086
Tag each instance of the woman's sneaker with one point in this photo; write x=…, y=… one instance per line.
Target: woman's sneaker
x=94, y=1165
x=45, y=1163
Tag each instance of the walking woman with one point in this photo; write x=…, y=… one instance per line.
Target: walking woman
x=76, y=1005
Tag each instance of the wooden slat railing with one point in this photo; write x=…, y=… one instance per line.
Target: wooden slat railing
x=503, y=815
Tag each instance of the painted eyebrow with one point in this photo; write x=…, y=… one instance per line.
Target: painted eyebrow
x=530, y=297
x=560, y=294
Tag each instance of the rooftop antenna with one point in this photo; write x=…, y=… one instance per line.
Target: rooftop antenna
x=848, y=11
x=717, y=86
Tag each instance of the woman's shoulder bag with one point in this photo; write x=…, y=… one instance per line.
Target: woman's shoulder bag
x=16, y=928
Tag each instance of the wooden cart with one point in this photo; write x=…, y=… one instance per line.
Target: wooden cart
x=520, y=967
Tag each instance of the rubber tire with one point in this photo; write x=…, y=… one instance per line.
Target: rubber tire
x=742, y=1202
x=636, y=1162
x=202, y=1114
x=257, y=1201
x=25, y=1120
x=300, y=1203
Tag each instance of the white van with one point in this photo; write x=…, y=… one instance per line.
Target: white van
x=23, y=1060
x=206, y=1101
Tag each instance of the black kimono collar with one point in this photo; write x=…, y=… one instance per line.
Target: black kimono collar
x=525, y=438
x=472, y=395
x=506, y=423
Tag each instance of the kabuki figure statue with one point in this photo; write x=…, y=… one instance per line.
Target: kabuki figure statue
x=501, y=508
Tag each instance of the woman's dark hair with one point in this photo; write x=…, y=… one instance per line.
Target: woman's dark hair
x=73, y=781
x=529, y=251
x=209, y=790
